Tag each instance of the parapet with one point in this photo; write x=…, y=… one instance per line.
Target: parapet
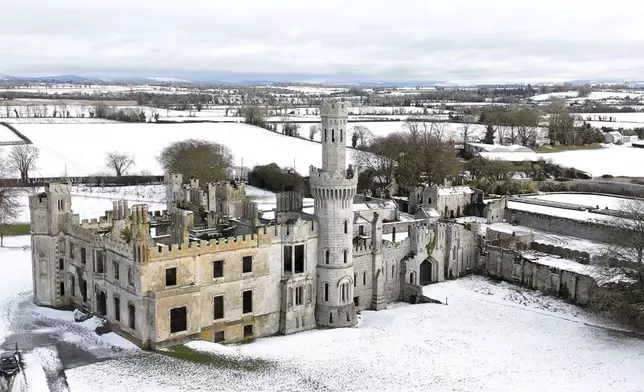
x=56, y=187
x=334, y=109
x=118, y=246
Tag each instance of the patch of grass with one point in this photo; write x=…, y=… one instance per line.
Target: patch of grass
x=544, y=149
x=16, y=229
x=220, y=361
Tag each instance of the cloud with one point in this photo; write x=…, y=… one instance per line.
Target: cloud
x=493, y=40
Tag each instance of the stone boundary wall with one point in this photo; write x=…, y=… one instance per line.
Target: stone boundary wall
x=567, y=253
x=553, y=224
x=512, y=267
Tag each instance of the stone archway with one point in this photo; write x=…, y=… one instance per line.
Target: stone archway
x=425, y=273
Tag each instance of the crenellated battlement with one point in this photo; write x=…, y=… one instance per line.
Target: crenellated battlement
x=334, y=109
x=118, y=246
x=321, y=178
x=85, y=233
x=404, y=243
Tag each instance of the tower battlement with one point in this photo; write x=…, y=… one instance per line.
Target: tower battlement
x=334, y=109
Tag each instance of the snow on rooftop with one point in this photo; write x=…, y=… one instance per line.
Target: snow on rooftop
x=454, y=190
x=510, y=156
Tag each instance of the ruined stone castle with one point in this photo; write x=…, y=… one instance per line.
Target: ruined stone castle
x=213, y=267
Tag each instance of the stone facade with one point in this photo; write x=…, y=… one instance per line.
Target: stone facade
x=207, y=269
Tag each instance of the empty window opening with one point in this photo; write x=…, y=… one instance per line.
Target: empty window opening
x=83, y=289
x=325, y=135
x=344, y=292
x=341, y=134
x=171, y=276
x=326, y=291
x=83, y=255
x=130, y=276
x=326, y=256
x=346, y=256
x=100, y=263
x=218, y=307
x=333, y=135
x=288, y=259
x=218, y=269
x=178, y=319
x=393, y=234
x=330, y=318
x=356, y=301
x=346, y=226
x=73, y=286
x=247, y=266
x=348, y=317
x=393, y=270
x=248, y=330
x=220, y=337
x=132, y=314
x=361, y=230
x=62, y=289
x=115, y=270
x=71, y=250
x=355, y=279
x=364, y=278
x=117, y=309
x=61, y=264
x=299, y=295
x=247, y=305
x=299, y=259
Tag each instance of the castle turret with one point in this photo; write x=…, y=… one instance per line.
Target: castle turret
x=333, y=187
x=50, y=211
x=174, y=190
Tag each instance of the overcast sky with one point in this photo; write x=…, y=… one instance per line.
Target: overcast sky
x=454, y=40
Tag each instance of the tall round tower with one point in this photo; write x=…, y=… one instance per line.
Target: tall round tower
x=333, y=188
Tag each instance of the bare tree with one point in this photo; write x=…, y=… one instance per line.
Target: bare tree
x=314, y=130
x=626, y=253
x=466, y=130
x=119, y=162
x=22, y=159
x=9, y=200
x=360, y=136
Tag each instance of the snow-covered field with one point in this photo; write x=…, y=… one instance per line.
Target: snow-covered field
x=603, y=201
x=617, y=161
x=82, y=147
x=560, y=212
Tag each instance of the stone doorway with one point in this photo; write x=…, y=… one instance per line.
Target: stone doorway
x=425, y=273
x=102, y=303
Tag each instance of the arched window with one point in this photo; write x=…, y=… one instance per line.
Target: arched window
x=326, y=291
x=412, y=278
x=326, y=256
x=62, y=289
x=346, y=226
x=346, y=256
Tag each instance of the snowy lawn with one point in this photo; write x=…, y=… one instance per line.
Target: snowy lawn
x=145, y=141
x=617, y=161
x=489, y=337
x=603, y=201
x=560, y=212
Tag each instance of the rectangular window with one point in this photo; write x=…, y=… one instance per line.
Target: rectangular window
x=130, y=276
x=248, y=330
x=356, y=301
x=132, y=314
x=71, y=250
x=218, y=269
x=83, y=255
x=61, y=264
x=247, y=305
x=178, y=319
x=117, y=309
x=299, y=259
x=326, y=291
x=361, y=230
x=288, y=259
x=219, y=337
x=299, y=295
x=219, y=307
x=247, y=264
x=393, y=270
x=115, y=270
x=171, y=276
x=100, y=264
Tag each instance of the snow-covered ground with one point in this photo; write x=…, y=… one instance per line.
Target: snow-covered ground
x=617, y=161
x=489, y=337
x=603, y=201
x=82, y=147
x=560, y=212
